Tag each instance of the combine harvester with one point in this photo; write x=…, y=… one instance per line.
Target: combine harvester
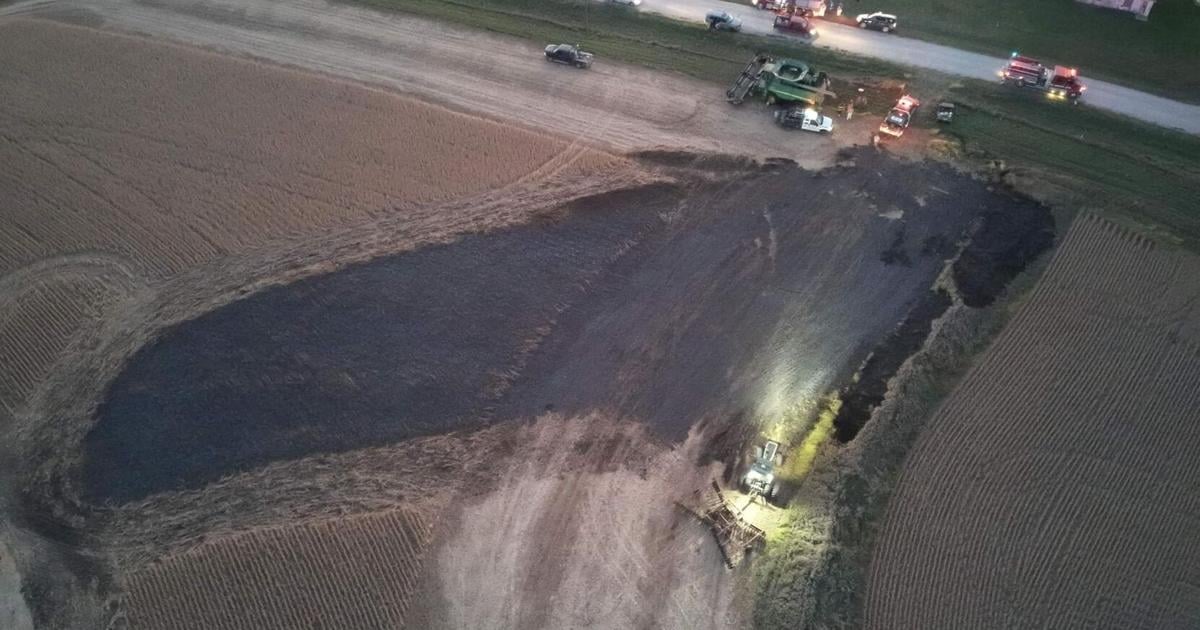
x=1061, y=84
x=780, y=81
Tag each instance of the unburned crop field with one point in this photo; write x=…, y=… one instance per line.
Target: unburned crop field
x=349, y=573
x=1056, y=487
x=118, y=122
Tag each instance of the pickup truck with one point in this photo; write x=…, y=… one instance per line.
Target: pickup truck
x=804, y=118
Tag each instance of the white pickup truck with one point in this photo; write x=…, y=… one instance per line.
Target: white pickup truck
x=804, y=118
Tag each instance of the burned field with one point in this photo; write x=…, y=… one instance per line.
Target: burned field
x=664, y=305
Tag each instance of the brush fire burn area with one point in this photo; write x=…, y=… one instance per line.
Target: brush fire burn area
x=313, y=316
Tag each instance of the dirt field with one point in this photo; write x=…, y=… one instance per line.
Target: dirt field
x=1057, y=485
x=604, y=546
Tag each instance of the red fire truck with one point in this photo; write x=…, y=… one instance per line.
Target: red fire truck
x=1060, y=83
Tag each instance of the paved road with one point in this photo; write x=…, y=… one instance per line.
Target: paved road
x=1122, y=100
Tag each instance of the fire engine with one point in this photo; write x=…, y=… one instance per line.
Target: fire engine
x=1060, y=83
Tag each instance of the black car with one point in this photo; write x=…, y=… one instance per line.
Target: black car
x=568, y=54
x=885, y=22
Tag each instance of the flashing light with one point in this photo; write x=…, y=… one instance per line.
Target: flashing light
x=1014, y=54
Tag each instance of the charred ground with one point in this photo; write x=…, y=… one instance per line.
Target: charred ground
x=669, y=304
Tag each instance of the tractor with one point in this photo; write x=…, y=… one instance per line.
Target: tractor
x=759, y=479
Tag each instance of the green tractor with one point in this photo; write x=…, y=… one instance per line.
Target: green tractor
x=780, y=81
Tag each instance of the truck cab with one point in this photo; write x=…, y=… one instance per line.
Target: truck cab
x=1065, y=84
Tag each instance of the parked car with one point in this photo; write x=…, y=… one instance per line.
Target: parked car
x=628, y=3
x=568, y=54
x=885, y=22
x=723, y=21
x=945, y=111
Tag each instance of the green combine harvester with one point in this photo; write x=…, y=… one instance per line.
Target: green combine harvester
x=782, y=81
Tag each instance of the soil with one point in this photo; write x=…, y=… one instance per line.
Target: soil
x=602, y=543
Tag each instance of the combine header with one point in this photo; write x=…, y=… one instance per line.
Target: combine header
x=783, y=81
x=735, y=537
